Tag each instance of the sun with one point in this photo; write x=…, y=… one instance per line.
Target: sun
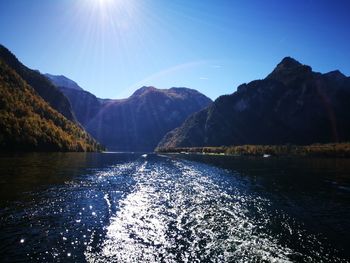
x=108, y=17
x=104, y=2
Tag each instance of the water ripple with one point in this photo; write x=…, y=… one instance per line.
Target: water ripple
x=178, y=213
x=157, y=209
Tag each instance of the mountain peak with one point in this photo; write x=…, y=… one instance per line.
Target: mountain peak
x=291, y=106
x=174, y=91
x=287, y=63
x=63, y=81
x=288, y=69
x=335, y=74
x=143, y=90
x=183, y=89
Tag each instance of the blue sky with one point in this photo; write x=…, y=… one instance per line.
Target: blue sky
x=113, y=47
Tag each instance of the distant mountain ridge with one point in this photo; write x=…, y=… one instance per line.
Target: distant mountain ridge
x=85, y=105
x=136, y=123
x=63, y=81
x=292, y=104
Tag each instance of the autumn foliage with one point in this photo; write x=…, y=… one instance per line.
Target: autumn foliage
x=28, y=123
x=326, y=150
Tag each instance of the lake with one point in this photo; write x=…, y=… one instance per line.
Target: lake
x=129, y=207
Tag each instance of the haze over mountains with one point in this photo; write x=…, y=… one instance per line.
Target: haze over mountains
x=134, y=124
x=137, y=123
x=293, y=105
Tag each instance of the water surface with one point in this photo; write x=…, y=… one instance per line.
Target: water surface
x=78, y=207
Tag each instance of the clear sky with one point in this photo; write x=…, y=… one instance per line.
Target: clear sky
x=112, y=47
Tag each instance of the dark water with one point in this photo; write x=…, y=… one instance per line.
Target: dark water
x=131, y=208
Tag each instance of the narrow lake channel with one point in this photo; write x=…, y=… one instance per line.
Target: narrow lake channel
x=123, y=207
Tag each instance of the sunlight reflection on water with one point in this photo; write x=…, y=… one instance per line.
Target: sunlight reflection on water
x=134, y=208
x=177, y=213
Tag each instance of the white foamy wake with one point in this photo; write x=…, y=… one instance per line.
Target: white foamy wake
x=176, y=213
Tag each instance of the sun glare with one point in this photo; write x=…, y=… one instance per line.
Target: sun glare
x=109, y=15
x=105, y=2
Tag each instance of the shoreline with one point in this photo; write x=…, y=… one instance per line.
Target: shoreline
x=335, y=150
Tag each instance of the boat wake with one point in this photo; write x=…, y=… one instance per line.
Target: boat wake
x=178, y=213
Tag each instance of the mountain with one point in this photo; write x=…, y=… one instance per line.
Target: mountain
x=85, y=105
x=48, y=91
x=293, y=105
x=62, y=81
x=139, y=122
x=29, y=123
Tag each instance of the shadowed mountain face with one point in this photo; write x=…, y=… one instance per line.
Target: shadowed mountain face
x=49, y=92
x=28, y=123
x=139, y=122
x=85, y=105
x=293, y=104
